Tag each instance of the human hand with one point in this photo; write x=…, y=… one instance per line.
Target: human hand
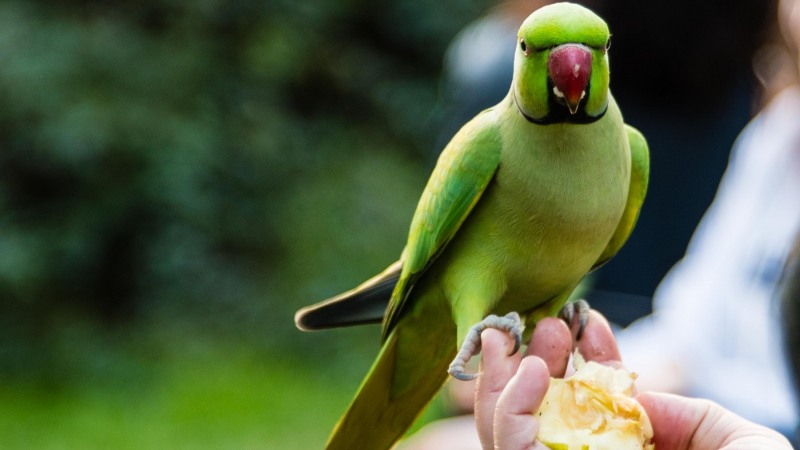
x=682, y=423
x=510, y=388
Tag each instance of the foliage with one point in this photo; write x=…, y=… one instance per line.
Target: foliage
x=192, y=164
x=176, y=179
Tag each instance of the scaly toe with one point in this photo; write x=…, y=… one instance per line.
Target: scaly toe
x=510, y=323
x=578, y=309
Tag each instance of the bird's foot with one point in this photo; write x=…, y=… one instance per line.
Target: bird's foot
x=510, y=323
x=577, y=310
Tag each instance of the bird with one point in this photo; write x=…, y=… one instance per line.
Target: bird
x=526, y=199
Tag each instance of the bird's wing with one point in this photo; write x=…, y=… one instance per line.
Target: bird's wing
x=640, y=175
x=462, y=173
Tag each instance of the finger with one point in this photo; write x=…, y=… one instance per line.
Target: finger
x=497, y=368
x=515, y=426
x=552, y=341
x=598, y=343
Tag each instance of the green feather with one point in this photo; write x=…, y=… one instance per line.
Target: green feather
x=640, y=176
x=463, y=171
x=568, y=22
x=514, y=215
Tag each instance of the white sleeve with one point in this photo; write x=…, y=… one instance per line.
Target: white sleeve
x=715, y=323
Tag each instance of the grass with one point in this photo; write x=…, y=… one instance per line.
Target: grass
x=223, y=401
x=172, y=389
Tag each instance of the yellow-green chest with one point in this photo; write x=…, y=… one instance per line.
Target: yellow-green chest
x=552, y=207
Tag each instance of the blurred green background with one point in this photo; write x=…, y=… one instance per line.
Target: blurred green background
x=176, y=179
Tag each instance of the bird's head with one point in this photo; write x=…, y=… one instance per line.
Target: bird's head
x=561, y=65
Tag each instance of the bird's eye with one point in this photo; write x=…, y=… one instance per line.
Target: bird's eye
x=523, y=46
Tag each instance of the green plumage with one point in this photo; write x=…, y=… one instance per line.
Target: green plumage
x=526, y=199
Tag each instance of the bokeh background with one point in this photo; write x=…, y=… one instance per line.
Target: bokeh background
x=177, y=178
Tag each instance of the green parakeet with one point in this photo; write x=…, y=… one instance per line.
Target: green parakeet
x=526, y=199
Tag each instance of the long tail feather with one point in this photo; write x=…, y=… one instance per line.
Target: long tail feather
x=411, y=367
x=363, y=305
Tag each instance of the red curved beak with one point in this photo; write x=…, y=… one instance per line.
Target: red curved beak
x=570, y=66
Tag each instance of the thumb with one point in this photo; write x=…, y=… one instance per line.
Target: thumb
x=689, y=423
x=515, y=426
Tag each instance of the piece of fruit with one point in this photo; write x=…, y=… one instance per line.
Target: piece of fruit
x=593, y=410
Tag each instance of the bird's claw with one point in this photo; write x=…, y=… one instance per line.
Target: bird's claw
x=510, y=323
x=579, y=308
